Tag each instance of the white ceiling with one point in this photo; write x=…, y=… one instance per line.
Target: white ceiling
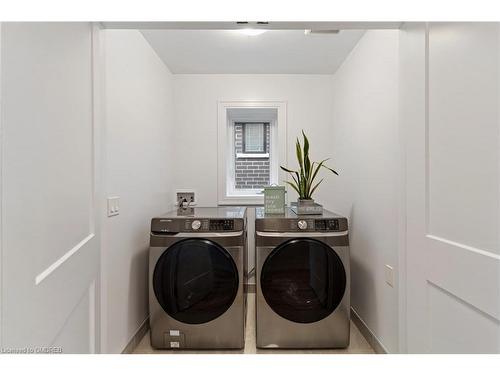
x=230, y=52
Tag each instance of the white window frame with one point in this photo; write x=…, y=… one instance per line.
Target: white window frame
x=226, y=155
x=240, y=155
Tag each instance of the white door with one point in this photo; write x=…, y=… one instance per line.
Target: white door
x=450, y=106
x=50, y=247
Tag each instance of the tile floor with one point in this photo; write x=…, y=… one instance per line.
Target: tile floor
x=358, y=343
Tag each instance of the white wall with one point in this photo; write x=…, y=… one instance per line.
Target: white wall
x=309, y=106
x=309, y=103
x=364, y=140
x=138, y=169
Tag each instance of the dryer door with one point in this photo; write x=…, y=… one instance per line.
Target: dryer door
x=303, y=280
x=195, y=281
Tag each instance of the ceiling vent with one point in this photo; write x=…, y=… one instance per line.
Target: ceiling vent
x=258, y=23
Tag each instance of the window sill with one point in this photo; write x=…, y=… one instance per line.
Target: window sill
x=252, y=156
x=242, y=200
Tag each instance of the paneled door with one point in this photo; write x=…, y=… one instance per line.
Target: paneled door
x=50, y=247
x=451, y=104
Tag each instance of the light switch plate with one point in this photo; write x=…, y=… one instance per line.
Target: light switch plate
x=113, y=206
x=389, y=275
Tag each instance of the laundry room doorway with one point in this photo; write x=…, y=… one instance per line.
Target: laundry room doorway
x=449, y=105
x=50, y=255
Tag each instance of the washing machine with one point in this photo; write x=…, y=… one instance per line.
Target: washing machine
x=197, y=270
x=302, y=280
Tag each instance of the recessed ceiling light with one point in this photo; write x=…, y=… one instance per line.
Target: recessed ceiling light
x=251, y=32
x=324, y=32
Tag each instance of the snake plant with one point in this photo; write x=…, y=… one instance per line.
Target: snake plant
x=304, y=179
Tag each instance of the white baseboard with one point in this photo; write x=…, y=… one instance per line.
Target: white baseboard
x=136, y=339
x=368, y=334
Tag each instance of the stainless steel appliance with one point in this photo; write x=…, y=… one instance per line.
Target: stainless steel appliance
x=197, y=270
x=303, y=280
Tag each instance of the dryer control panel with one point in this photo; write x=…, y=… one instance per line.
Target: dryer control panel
x=193, y=225
x=221, y=224
x=327, y=224
x=290, y=222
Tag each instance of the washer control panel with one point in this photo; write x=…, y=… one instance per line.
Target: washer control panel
x=221, y=224
x=204, y=225
x=314, y=225
x=327, y=224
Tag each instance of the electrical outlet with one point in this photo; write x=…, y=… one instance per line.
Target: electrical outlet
x=113, y=206
x=389, y=275
x=185, y=194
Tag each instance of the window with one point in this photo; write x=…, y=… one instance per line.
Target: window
x=252, y=149
x=251, y=146
x=254, y=137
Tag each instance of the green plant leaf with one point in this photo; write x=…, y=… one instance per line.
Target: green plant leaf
x=300, y=177
x=298, y=151
x=330, y=169
x=303, y=188
x=293, y=186
x=296, y=179
x=287, y=170
x=306, y=143
x=307, y=165
x=313, y=175
x=315, y=186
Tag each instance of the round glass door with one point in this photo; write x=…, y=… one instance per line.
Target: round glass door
x=303, y=280
x=195, y=281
